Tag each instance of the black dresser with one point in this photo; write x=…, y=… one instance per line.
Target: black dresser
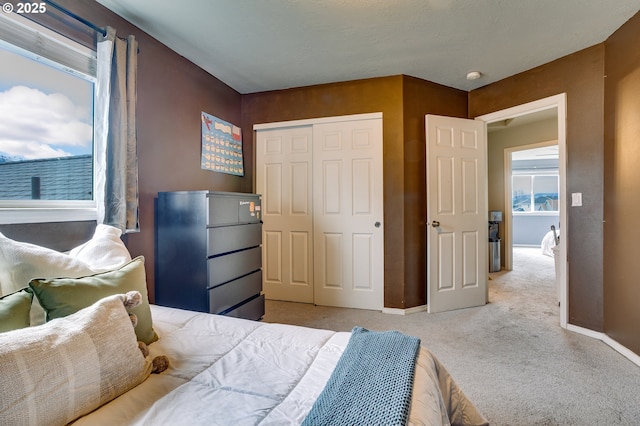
x=208, y=252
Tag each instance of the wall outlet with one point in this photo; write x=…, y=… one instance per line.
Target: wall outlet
x=576, y=199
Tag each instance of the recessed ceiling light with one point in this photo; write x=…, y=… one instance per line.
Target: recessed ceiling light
x=474, y=75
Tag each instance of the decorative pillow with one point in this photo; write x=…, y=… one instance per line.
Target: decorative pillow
x=20, y=262
x=54, y=373
x=105, y=251
x=63, y=296
x=15, y=310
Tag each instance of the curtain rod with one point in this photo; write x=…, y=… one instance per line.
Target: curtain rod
x=77, y=18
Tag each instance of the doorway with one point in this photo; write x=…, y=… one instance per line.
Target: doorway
x=531, y=198
x=554, y=104
x=531, y=188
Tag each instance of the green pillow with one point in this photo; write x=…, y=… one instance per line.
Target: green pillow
x=64, y=296
x=15, y=310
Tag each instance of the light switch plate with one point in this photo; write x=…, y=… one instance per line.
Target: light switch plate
x=576, y=199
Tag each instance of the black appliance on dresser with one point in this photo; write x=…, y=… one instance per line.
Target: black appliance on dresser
x=208, y=252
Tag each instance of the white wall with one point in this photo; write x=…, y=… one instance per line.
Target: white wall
x=529, y=230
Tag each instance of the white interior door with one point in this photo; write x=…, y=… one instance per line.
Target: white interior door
x=457, y=242
x=284, y=178
x=348, y=213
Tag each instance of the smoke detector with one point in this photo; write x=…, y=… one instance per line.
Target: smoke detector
x=474, y=75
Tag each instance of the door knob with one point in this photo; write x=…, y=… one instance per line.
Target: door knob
x=377, y=224
x=435, y=224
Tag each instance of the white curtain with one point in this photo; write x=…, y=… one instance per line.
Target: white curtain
x=115, y=138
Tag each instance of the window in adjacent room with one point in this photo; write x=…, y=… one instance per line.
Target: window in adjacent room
x=535, y=193
x=46, y=122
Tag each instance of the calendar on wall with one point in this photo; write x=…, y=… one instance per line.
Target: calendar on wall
x=221, y=146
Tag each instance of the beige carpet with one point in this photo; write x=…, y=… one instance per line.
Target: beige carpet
x=511, y=357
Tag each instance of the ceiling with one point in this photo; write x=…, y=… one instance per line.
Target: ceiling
x=546, y=153
x=261, y=45
x=534, y=117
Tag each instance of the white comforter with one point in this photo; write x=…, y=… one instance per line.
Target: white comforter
x=227, y=371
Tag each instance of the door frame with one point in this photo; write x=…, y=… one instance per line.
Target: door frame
x=560, y=103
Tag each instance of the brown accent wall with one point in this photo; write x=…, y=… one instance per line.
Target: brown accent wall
x=61, y=236
x=420, y=98
x=172, y=92
x=622, y=185
x=403, y=171
x=581, y=77
x=346, y=98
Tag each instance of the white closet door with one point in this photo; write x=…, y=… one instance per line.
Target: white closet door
x=348, y=214
x=284, y=179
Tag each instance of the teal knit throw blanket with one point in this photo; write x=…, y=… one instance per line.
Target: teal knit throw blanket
x=372, y=382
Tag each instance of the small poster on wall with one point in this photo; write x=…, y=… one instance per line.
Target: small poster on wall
x=221, y=146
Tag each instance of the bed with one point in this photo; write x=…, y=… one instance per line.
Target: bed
x=223, y=371
x=550, y=242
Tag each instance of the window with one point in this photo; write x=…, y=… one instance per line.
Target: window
x=46, y=124
x=534, y=193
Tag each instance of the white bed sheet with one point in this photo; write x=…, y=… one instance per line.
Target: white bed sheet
x=228, y=371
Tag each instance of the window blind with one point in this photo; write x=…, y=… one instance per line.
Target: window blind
x=45, y=45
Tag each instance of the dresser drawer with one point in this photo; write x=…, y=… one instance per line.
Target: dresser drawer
x=233, y=265
x=233, y=208
x=227, y=295
x=224, y=239
x=253, y=309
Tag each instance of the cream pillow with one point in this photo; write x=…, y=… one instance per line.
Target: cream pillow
x=105, y=251
x=54, y=373
x=20, y=262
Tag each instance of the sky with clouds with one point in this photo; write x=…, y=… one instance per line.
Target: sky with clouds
x=44, y=112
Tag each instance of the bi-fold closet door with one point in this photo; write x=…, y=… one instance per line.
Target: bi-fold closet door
x=321, y=183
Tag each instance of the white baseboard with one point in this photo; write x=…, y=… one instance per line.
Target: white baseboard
x=632, y=356
x=408, y=311
x=585, y=331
